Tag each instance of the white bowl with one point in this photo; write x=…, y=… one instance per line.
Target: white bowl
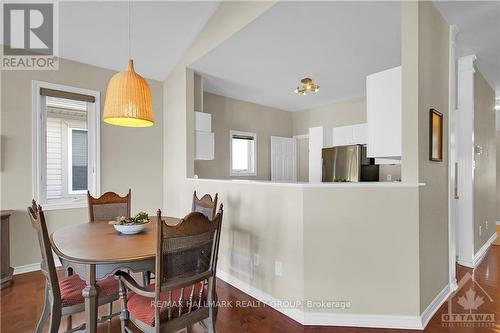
x=130, y=229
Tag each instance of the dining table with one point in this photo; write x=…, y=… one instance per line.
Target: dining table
x=95, y=250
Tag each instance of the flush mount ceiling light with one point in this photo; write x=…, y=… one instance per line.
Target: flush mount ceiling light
x=128, y=97
x=308, y=86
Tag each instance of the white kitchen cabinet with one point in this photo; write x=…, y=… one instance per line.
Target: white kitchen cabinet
x=202, y=121
x=319, y=138
x=204, y=139
x=385, y=161
x=342, y=136
x=383, y=113
x=360, y=134
x=350, y=135
x=204, y=145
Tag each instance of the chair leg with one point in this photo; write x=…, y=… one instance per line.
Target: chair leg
x=146, y=278
x=210, y=322
x=122, y=292
x=110, y=310
x=55, y=319
x=69, y=323
x=45, y=312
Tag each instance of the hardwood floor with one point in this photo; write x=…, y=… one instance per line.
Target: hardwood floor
x=22, y=303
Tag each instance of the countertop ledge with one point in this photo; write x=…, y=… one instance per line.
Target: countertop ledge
x=308, y=185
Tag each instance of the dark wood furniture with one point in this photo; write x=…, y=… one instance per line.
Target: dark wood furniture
x=64, y=296
x=205, y=205
x=6, y=270
x=108, y=206
x=184, y=292
x=95, y=251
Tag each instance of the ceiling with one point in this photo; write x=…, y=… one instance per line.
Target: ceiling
x=335, y=43
x=96, y=32
x=478, y=23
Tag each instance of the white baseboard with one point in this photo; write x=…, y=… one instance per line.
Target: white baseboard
x=35, y=266
x=435, y=305
x=340, y=319
x=26, y=268
x=465, y=263
x=362, y=320
x=479, y=256
x=295, y=314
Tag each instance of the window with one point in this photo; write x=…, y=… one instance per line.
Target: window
x=78, y=157
x=243, y=152
x=66, y=124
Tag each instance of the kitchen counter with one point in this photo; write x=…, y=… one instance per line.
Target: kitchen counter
x=309, y=185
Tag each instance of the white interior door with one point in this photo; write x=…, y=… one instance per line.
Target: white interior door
x=283, y=159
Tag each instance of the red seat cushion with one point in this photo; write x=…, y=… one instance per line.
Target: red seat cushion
x=143, y=308
x=72, y=286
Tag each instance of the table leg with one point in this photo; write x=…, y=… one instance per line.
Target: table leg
x=90, y=293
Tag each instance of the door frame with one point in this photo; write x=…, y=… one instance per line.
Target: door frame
x=453, y=195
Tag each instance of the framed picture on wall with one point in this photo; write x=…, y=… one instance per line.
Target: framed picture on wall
x=436, y=136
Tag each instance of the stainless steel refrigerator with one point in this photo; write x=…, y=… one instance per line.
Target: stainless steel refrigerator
x=341, y=163
x=348, y=164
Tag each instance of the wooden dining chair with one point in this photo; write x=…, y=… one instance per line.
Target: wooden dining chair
x=184, y=293
x=63, y=296
x=205, y=205
x=108, y=206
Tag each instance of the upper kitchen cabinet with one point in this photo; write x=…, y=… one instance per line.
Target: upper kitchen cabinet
x=383, y=104
x=350, y=135
x=204, y=139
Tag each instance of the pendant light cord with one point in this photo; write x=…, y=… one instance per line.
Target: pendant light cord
x=129, y=33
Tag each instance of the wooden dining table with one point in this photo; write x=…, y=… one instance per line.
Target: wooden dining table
x=95, y=250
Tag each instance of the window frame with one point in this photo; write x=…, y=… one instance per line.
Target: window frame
x=70, y=159
x=243, y=173
x=39, y=124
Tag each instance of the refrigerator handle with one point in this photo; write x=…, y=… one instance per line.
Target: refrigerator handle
x=322, y=169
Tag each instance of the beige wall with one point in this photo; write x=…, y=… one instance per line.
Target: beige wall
x=273, y=230
x=123, y=152
x=342, y=113
x=433, y=197
x=232, y=114
x=178, y=142
x=229, y=113
x=349, y=255
x=498, y=176
x=485, y=170
x=303, y=159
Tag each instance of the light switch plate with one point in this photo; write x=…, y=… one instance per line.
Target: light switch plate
x=278, y=268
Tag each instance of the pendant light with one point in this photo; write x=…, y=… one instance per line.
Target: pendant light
x=128, y=97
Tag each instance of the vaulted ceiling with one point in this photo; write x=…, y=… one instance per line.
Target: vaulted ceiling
x=96, y=32
x=336, y=43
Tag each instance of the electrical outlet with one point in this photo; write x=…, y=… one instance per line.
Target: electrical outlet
x=278, y=268
x=256, y=259
x=486, y=224
x=480, y=231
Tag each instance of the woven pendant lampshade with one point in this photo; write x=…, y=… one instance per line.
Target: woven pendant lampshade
x=128, y=100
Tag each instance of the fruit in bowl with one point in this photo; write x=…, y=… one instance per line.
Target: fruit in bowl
x=131, y=225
